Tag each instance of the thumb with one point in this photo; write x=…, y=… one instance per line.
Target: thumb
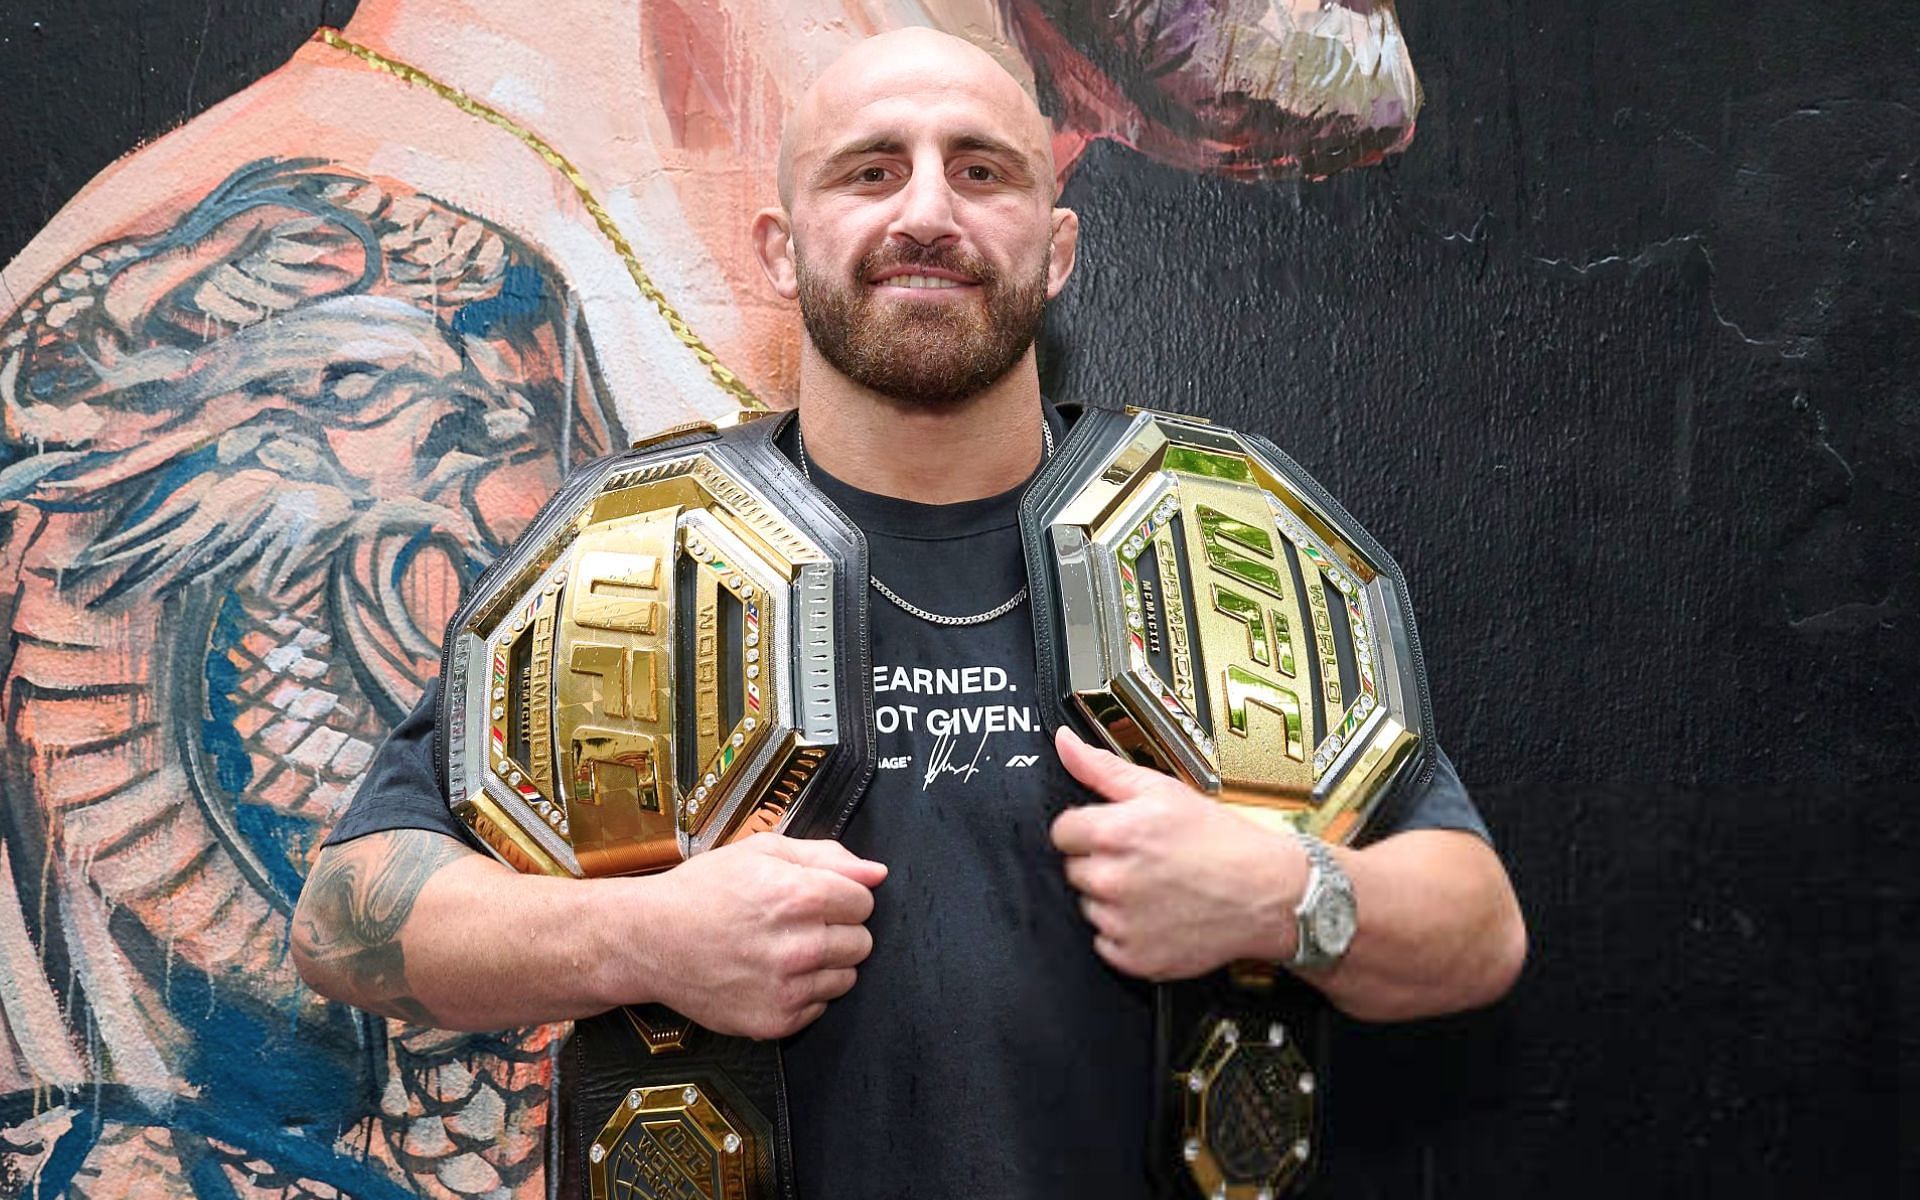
x=1101, y=770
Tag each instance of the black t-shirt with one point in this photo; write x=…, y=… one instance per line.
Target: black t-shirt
x=986, y=1049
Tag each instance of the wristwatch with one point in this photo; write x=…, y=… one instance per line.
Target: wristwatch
x=1327, y=915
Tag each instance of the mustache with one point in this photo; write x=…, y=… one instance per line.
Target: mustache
x=937, y=257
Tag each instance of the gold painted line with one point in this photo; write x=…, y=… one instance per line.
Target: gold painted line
x=724, y=378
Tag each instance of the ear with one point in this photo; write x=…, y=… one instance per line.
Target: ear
x=1066, y=240
x=773, y=244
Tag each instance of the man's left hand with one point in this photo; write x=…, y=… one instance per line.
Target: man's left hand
x=1174, y=883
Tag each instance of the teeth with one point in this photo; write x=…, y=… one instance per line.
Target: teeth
x=921, y=281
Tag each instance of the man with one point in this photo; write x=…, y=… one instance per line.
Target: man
x=975, y=951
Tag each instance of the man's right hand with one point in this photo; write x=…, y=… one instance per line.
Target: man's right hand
x=761, y=934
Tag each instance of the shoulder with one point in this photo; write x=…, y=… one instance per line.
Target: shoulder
x=401, y=788
x=1439, y=801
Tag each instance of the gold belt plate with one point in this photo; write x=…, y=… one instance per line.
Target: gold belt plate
x=1220, y=624
x=651, y=675
x=673, y=1142
x=1249, y=1113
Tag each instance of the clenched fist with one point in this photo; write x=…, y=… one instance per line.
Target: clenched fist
x=1173, y=883
x=763, y=933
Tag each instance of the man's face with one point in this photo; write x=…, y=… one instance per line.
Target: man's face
x=922, y=226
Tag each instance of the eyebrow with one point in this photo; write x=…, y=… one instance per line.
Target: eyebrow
x=981, y=144
x=886, y=143
x=882, y=144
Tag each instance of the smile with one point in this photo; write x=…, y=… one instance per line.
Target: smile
x=920, y=281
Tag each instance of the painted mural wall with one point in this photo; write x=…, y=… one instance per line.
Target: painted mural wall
x=276, y=386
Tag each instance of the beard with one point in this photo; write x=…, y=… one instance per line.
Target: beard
x=925, y=355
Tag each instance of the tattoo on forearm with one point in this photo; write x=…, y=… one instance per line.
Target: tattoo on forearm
x=355, y=904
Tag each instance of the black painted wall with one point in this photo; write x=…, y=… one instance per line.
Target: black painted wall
x=1620, y=358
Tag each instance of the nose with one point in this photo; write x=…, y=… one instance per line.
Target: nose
x=926, y=213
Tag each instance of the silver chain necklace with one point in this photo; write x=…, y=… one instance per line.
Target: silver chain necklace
x=980, y=618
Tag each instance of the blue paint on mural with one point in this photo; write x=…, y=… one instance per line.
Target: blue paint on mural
x=187, y=468
x=401, y=561
x=218, y=737
x=522, y=292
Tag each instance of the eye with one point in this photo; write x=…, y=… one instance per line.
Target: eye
x=872, y=175
x=979, y=173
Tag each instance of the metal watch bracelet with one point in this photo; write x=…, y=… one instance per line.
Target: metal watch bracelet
x=1327, y=915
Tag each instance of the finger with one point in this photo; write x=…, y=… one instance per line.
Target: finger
x=863, y=871
x=808, y=1015
x=1076, y=831
x=1090, y=877
x=1102, y=771
x=1104, y=917
x=827, y=855
x=1097, y=829
x=843, y=901
x=845, y=946
x=1112, y=952
x=831, y=984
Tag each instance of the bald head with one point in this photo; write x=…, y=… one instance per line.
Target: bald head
x=849, y=97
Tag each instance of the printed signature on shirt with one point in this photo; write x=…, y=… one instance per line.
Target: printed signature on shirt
x=941, y=761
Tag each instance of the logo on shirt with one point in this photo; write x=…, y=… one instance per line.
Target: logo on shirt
x=959, y=709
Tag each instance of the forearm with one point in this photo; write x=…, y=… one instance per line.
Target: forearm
x=1176, y=884
x=417, y=926
x=1439, y=929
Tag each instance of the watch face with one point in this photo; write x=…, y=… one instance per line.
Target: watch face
x=1334, y=922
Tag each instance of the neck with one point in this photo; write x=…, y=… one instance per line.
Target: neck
x=520, y=56
x=983, y=447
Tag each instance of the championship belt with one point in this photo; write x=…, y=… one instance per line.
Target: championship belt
x=671, y=658
x=1203, y=607
x=674, y=656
